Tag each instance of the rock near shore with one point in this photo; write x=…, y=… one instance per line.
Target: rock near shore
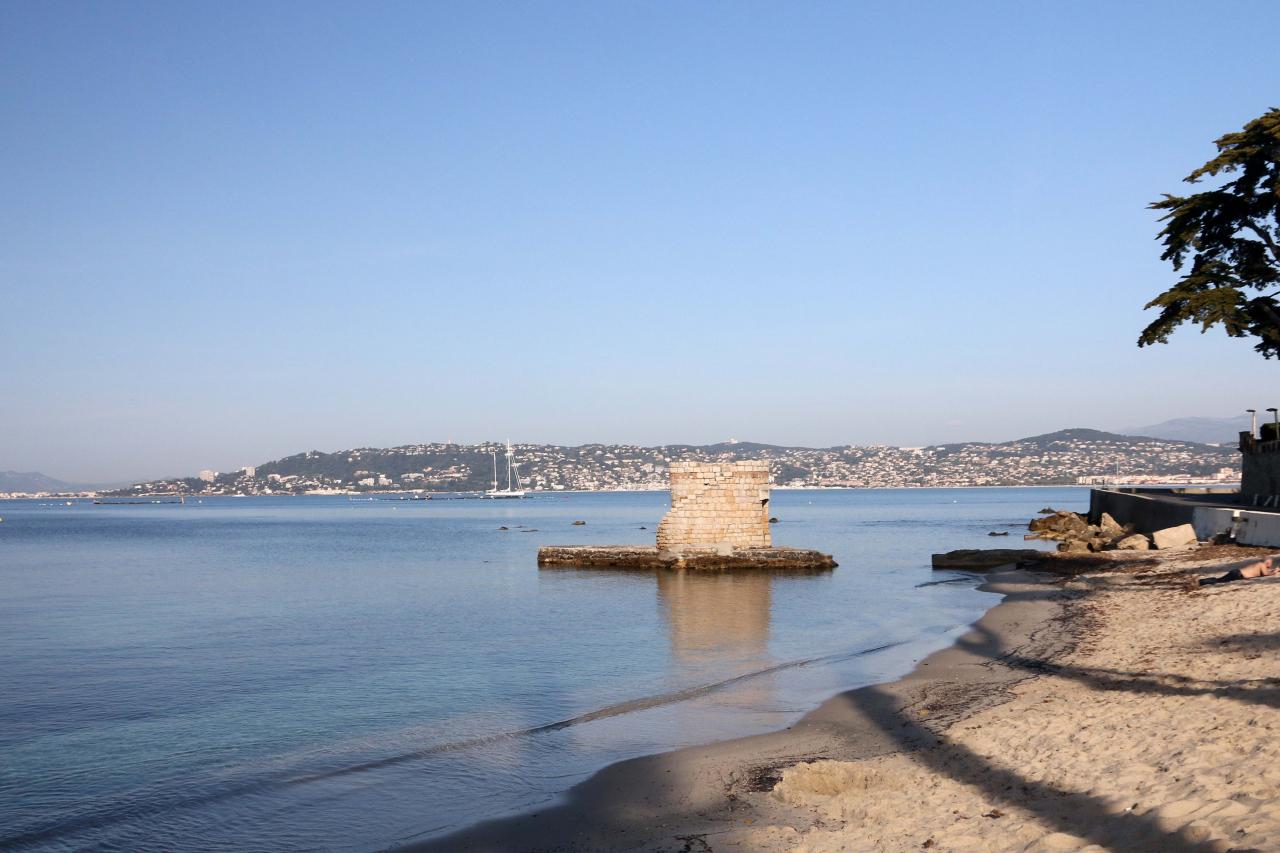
x=643, y=557
x=983, y=558
x=1076, y=535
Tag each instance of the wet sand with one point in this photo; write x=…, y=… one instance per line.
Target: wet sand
x=709, y=797
x=1122, y=711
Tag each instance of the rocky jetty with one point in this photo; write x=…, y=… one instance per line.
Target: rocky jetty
x=719, y=521
x=1075, y=534
x=648, y=557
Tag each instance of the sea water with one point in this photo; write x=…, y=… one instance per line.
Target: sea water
x=326, y=673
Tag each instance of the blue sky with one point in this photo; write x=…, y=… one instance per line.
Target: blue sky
x=230, y=232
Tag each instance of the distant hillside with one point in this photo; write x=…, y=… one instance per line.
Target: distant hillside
x=1204, y=430
x=31, y=481
x=1055, y=458
x=1074, y=436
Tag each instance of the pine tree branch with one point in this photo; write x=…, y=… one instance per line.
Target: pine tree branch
x=1265, y=237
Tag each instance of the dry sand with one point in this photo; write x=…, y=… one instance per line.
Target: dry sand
x=1104, y=711
x=1160, y=730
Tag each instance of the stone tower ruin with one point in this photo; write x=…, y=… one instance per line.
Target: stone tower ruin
x=717, y=506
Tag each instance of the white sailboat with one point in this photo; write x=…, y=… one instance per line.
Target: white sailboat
x=513, y=489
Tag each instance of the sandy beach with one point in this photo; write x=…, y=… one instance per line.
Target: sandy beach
x=1123, y=710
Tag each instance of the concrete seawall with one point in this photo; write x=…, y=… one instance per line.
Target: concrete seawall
x=1210, y=515
x=1147, y=512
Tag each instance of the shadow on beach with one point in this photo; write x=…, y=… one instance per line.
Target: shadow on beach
x=681, y=801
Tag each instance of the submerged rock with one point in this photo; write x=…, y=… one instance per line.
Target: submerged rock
x=982, y=558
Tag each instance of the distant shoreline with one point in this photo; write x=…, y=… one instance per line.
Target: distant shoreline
x=647, y=490
x=83, y=496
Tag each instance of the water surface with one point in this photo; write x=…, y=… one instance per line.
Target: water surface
x=321, y=673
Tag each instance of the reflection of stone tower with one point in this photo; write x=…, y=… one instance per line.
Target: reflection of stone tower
x=713, y=616
x=717, y=506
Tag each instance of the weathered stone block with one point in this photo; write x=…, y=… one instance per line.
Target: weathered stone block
x=717, y=505
x=1136, y=542
x=1174, y=537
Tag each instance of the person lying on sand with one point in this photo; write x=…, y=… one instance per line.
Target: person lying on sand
x=1248, y=570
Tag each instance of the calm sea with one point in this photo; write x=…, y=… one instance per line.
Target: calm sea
x=322, y=673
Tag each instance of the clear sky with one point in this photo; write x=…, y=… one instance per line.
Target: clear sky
x=234, y=231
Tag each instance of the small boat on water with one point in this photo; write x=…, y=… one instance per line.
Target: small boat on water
x=513, y=489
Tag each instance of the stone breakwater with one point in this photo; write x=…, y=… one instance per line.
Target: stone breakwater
x=719, y=519
x=642, y=557
x=717, y=506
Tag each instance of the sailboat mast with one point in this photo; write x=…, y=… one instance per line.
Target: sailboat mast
x=508, y=465
x=495, y=470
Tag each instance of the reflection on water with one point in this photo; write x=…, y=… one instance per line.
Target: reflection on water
x=720, y=623
x=322, y=674
x=716, y=617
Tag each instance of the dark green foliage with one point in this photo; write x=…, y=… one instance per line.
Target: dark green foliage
x=472, y=468
x=1230, y=238
x=1269, y=432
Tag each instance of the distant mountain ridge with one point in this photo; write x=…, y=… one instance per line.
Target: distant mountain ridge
x=1079, y=434
x=1203, y=430
x=31, y=481
x=1061, y=457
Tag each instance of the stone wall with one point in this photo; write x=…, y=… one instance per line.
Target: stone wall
x=1259, y=472
x=717, y=506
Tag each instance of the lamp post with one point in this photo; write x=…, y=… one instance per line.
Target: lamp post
x=1275, y=435
x=1253, y=422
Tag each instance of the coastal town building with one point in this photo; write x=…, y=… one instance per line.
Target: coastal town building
x=1068, y=457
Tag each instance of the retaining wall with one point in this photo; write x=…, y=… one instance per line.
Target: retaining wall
x=1151, y=512
x=1147, y=513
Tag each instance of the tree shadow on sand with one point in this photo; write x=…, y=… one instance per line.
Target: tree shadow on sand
x=1083, y=815
x=1245, y=643
x=1076, y=813
x=1260, y=691
x=636, y=806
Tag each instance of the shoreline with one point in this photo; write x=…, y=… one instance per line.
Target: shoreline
x=678, y=799
x=15, y=496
